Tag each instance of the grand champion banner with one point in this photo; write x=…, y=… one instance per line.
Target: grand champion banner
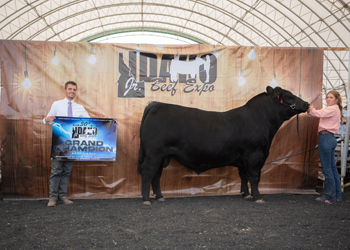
x=84, y=139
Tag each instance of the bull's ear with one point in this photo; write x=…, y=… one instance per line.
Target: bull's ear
x=278, y=91
x=274, y=93
x=278, y=88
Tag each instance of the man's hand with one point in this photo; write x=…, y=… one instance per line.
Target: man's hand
x=49, y=118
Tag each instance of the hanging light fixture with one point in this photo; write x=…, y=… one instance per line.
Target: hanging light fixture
x=26, y=83
x=55, y=60
x=215, y=53
x=199, y=51
x=252, y=54
x=274, y=82
x=177, y=56
x=138, y=51
x=241, y=80
x=92, y=58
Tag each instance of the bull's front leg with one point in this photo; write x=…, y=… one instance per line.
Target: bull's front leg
x=254, y=180
x=244, y=183
x=254, y=161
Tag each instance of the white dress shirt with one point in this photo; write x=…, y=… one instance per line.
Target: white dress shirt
x=60, y=108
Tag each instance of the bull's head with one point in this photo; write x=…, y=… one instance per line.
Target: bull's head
x=285, y=98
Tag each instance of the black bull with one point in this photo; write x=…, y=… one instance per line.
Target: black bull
x=201, y=140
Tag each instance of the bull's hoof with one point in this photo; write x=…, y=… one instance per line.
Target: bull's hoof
x=260, y=201
x=247, y=197
x=161, y=199
x=148, y=203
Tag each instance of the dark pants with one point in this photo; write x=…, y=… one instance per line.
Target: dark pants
x=60, y=172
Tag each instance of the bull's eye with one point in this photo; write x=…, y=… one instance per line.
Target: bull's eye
x=281, y=101
x=288, y=99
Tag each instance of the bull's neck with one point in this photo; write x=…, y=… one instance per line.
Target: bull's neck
x=268, y=111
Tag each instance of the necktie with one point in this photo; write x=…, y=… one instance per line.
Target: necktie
x=70, y=112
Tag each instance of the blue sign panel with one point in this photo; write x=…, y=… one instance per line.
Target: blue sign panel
x=84, y=139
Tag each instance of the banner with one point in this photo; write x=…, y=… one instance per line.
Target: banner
x=84, y=139
x=120, y=82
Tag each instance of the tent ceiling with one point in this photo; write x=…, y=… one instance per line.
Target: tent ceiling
x=282, y=23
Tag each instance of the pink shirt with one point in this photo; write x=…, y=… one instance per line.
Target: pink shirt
x=330, y=118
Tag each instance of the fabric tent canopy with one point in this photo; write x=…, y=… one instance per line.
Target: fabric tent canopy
x=284, y=23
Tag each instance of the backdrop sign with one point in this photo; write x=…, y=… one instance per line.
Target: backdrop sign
x=84, y=139
x=119, y=82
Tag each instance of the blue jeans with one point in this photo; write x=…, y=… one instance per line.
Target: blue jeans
x=60, y=172
x=326, y=151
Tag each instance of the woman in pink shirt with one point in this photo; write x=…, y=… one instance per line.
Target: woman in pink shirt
x=330, y=118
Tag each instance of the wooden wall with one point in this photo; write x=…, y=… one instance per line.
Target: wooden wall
x=25, y=140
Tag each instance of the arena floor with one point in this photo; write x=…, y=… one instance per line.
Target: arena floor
x=285, y=221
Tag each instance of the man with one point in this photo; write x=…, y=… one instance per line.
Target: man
x=60, y=170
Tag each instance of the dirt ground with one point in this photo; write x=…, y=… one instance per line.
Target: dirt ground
x=285, y=221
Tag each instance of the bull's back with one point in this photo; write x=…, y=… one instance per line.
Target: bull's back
x=179, y=128
x=178, y=121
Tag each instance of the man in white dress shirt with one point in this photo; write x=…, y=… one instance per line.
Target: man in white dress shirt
x=60, y=170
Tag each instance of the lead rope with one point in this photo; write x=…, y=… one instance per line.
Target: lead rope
x=338, y=140
x=298, y=124
x=291, y=155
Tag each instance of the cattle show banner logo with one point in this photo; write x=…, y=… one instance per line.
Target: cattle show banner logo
x=174, y=73
x=84, y=139
x=128, y=87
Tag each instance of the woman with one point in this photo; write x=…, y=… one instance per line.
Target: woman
x=331, y=117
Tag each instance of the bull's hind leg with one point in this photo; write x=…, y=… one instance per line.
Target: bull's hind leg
x=244, y=183
x=156, y=185
x=156, y=179
x=149, y=169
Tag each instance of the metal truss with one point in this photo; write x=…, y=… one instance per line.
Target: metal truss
x=277, y=23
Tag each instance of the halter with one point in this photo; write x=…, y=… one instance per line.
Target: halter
x=292, y=106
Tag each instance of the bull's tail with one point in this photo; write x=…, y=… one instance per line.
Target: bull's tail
x=141, y=151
